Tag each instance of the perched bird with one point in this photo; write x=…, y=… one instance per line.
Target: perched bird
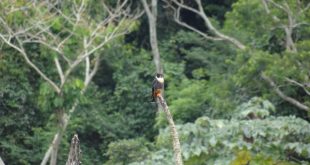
x=158, y=86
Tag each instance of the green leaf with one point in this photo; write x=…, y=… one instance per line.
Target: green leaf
x=58, y=102
x=213, y=141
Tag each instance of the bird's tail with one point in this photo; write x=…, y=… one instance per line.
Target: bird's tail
x=153, y=100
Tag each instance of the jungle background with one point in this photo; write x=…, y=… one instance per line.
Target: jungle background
x=231, y=105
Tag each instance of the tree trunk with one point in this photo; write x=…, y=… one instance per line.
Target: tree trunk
x=55, y=147
x=152, y=17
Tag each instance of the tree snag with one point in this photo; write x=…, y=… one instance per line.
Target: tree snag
x=173, y=132
x=75, y=151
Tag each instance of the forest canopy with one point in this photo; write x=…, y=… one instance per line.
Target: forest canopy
x=237, y=81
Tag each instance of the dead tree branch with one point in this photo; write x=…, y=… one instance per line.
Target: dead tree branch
x=75, y=151
x=178, y=5
x=283, y=96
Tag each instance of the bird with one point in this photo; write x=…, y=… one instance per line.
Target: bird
x=157, y=86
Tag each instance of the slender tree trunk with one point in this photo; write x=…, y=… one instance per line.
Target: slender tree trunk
x=155, y=50
x=152, y=17
x=289, y=43
x=52, y=151
x=55, y=147
x=60, y=114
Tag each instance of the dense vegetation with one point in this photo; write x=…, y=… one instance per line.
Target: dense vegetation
x=231, y=105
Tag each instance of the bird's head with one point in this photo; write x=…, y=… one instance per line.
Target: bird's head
x=160, y=77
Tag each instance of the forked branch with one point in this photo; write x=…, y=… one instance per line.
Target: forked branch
x=292, y=20
x=302, y=85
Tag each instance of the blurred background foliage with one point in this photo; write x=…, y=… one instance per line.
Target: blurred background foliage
x=225, y=112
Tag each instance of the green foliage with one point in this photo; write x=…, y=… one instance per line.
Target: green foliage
x=225, y=112
x=127, y=151
x=19, y=115
x=132, y=83
x=187, y=101
x=254, y=63
x=249, y=22
x=256, y=108
x=243, y=157
x=240, y=141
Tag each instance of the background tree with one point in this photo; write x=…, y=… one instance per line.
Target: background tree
x=225, y=112
x=62, y=30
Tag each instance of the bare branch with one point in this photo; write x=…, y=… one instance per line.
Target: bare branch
x=278, y=5
x=59, y=70
x=87, y=68
x=283, y=96
x=289, y=26
x=48, y=45
x=94, y=70
x=305, y=9
x=178, y=5
x=24, y=54
x=178, y=20
x=300, y=24
x=298, y=84
x=265, y=6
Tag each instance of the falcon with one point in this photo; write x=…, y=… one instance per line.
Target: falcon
x=158, y=86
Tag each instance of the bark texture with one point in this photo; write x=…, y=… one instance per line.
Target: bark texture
x=152, y=18
x=75, y=151
x=173, y=132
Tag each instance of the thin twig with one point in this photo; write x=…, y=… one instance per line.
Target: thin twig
x=298, y=84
